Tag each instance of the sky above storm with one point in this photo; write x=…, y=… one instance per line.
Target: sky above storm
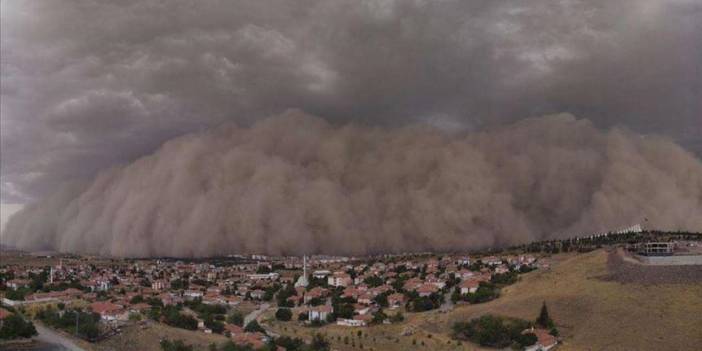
x=92, y=85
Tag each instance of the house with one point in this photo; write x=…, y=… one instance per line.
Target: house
x=158, y=285
x=295, y=299
x=319, y=313
x=257, y=294
x=255, y=340
x=170, y=299
x=436, y=281
x=501, y=269
x=214, y=290
x=139, y=307
x=469, y=286
x=492, y=261
x=266, y=276
x=4, y=314
x=233, y=329
x=427, y=289
x=321, y=274
x=242, y=290
x=315, y=293
x=544, y=342
x=412, y=284
x=211, y=276
x=339, y=279
x=214, y=300
x=100, y=284
x=362, y=309
x=463, y=260
x=351, y=292
x=15, y=284
x=232, y=300
x=351, y=322
x=483, y=277
x=192, y=294
x=108, y=311
x=364, y=318
x=365, y=299
x=396, y=300
x=464, y=274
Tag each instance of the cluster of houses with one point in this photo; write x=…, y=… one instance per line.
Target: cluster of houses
x=111, y=287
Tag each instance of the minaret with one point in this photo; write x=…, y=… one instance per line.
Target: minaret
x=51, y=275
x=302, y=281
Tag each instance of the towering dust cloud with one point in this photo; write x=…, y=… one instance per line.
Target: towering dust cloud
x=295, y=184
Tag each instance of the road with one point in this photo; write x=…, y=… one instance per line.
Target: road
x=55, y=341
x=447, y=305
x=254, y=315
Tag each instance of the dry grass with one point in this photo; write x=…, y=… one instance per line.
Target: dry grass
x=134, y=338
x=592, y=314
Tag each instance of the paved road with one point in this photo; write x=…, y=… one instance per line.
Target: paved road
x=254, y=315
x=55, y=341
x=447, y=305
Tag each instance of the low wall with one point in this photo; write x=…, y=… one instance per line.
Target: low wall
x=682, y=260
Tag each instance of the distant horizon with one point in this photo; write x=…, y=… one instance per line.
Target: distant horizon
x=245, y=255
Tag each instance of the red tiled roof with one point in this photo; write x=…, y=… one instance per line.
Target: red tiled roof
x=470, y=283
x=4, y=313
x=233, y=328
x=103, y=307
x=544, y=338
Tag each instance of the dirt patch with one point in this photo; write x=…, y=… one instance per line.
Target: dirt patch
x=619, y=270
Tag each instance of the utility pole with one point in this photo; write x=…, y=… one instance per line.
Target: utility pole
x=77, y=314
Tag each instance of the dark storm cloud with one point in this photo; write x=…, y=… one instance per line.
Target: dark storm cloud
x=87, y=84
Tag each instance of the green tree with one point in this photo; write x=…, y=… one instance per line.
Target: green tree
x=15, y=327
x=253, y=327
x=379, y=317
x=526, y=339
x=176, y=345
x=236, y=318
x=397, y=317
x=283, y=314
x=544, y=319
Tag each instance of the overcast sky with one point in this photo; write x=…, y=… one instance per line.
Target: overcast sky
x=91, y=84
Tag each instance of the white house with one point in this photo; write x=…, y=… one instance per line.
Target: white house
x=192, y=294
x=351, y=322
x=321, y=274
x=469, y=286
x=319, y=313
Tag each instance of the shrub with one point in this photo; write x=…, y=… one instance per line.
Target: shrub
x=173, y=317
x=283, y=314
x=491, y=331
x=526, y=339
x=176, y=345
x=15, y=327
x=236, y=318
x=397, y=317
x=253, y=327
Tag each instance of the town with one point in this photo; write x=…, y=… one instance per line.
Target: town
x=280, y=303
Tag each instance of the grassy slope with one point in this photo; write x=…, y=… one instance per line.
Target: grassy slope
x=136, y=339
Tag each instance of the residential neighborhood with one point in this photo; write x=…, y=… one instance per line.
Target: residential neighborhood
x=209, y=295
